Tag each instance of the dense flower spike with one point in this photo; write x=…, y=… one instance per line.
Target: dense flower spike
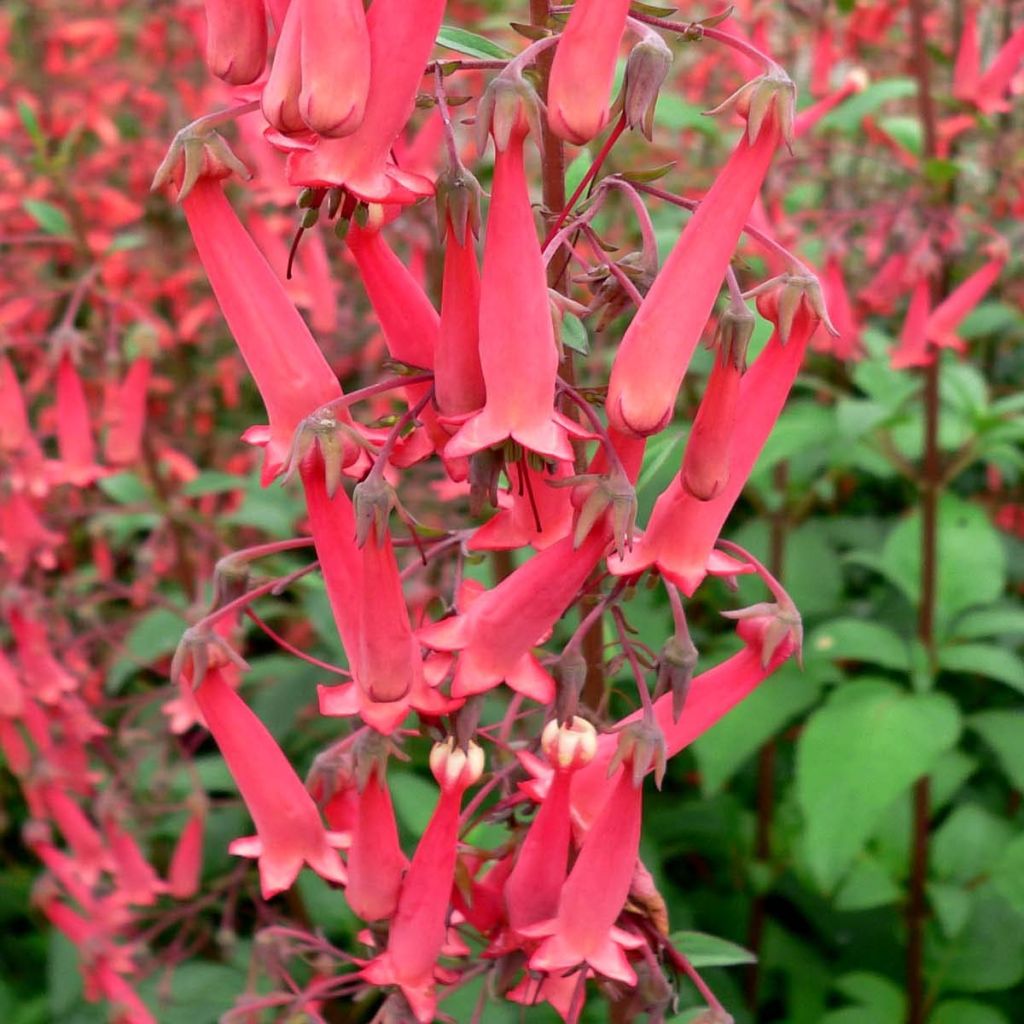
x=477, y=404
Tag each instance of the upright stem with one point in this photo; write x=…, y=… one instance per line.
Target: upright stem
x=767, y=756
x=931, y=477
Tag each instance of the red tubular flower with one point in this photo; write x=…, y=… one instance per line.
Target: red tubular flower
x=532, y=890
x=847, y=345
x=518, y=354
x=186, y=865
x=280, y=97
x=74, y=428
x=584, y=68
x=705, y=470
x=46, y=678
x=290, y=371
x=992, y=85
x=15, y=432
x=967, y=69
x=288, y=826
x=458, y=377
x=335, y=50
x=419, y=926
x=23, y=537
x=376, y=863
x=946, y=317
x=401, y=38
x=656, y=348
x=594, y=894
x=680, y=537
x=388, y=659
x=126, y=415
x=912, y=349
x=137, y=883
x=236, y=39
x=496, y=633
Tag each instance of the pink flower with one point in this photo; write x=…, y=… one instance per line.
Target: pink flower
x=290, y=371
x=496, y=633
x=288, y=826
x=125, y=414
x=401, y=38
x=236, y=39
x=989, y=95
x=594, y=894
x=376, y=863
x=186, y=865
x=535, y=884
x=280, y=96
x=967, y=69
x=74, y=428
x=518, y=354
x=680, y=537
x=912, y=349
x=584, y=68
x=335, y=63
x=418, y=927
x=656, y=348
x=946, y=317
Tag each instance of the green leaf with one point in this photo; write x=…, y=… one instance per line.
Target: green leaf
x=848, y=116
x=52, y=219
x=213, y=481
x=1008, y=874
x=469, y=43
x=723, y=749
x=857, y=754
x=986, y=660
x=993, y=317
x=574, y=334
x=952, y=906
x=906, y=130
x=126, y=241
x=980, y=623
x=970, y=561
x=858, y=640
x=988, y=954
x=28, y=118
x=969, y=843
x=124, y=488
x=414, y=800
x=704, y=950
x=965, y=1011
x=156, y=634
x=868, y=885
x=874, y=991
x=1004, y=731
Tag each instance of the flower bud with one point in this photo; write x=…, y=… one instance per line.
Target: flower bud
x=454, y=767
x=509, y=105
x=647, y=67
x=236, y=39
x=457, y=198
x=570, y=676
x=230, y=581
x=372, y=500
x=571, y=745
x=773, y=92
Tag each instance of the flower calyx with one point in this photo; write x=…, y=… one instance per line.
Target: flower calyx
x=608, y=294
x=372, y=501
x=771, y=93
x=203, y=649
x=570, y=672
x=795, y=289
x=198, y=151
x=611, y=492
x=457, y=197
x=370, y=754
x=509, y=105
x=733, y=334
x=641, y=749
x=231, y=577
x=339, y=444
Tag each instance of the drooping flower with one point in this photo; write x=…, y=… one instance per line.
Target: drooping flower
x=335, y=65
x=289, y=832
x=183, y=874
x=912, y=349
x=594, y=895
x=418, y=927
x=518, y=354
x=946, y=317
x=401, y=38
x=533, y=888
x=74, y=428
x=290, y=371
x=236, y=39
x=495, y=634
x=967, y=68
x=376, y=863
x=655, y=351
x=280, y=96
x=584, y=68
x=125, y=414
x=680, y=537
